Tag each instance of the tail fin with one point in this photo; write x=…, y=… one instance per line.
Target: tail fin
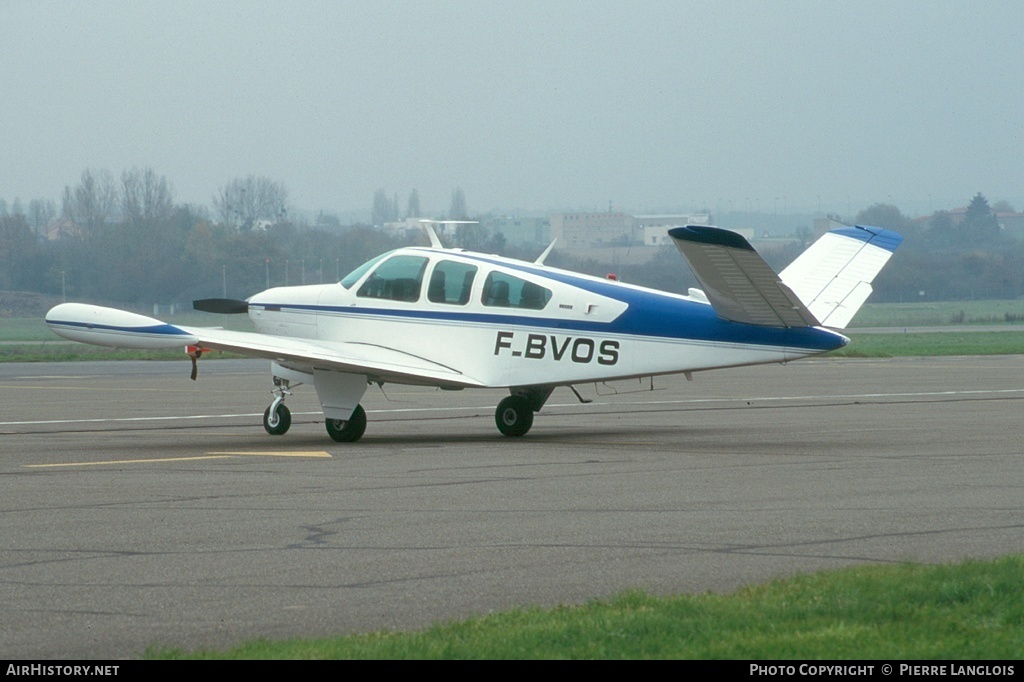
x=833, y=277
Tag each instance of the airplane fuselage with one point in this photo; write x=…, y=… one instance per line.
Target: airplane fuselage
x=585, y=328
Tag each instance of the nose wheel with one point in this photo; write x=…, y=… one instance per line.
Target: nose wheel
x=278, y=421
x=277, y=418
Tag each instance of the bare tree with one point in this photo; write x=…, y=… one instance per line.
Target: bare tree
x=384, y=210
x=458, y=210
x=16, y=242
x=145, y=197
x=245, y=200
x=91, y=204
x=40, y=213
x=413, y=208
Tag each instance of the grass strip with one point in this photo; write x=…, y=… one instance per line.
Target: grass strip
x=968, y=611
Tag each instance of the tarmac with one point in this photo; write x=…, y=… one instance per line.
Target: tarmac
x=141, y=509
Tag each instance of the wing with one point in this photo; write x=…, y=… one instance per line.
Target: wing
x=736, y=281
x=121, y=329
x=378, y=362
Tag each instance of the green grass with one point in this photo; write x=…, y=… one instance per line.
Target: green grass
x=34, y=328
x=938, y=343
x=27, y=339
x=970, y=611
x=24, y=329
x=74, y=352
x=940, y=313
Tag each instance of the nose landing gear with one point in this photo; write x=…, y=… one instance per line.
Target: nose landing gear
x=278, y=419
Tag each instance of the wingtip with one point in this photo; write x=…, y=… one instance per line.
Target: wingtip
x=877, y=236
x=716, y=236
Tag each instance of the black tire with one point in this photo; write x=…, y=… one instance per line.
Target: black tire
x=514, y=416
x=350, y=430
x=284, y=421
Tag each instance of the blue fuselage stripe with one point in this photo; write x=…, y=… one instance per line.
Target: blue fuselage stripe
x=156, y=330
x=648, y=315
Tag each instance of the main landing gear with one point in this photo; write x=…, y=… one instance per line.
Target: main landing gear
x=514, y=415
x=348, y=430
x=277, y=419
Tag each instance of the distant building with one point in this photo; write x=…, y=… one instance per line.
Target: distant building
x=654, y=228
x=415, y=226
x=584, y=230
x=59, y=228
x=519, y=230
x=1011, y=224
x=574, y=230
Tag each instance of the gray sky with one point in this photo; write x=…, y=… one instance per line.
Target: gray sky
x=547, y=105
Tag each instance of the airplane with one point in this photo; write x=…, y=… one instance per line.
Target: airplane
x=455, y=319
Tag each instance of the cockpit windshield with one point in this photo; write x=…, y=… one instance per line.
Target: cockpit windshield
x=397, y=279
x=354, y=276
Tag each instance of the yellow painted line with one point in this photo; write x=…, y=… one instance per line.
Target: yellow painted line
x=212, y=455
x=285, y=453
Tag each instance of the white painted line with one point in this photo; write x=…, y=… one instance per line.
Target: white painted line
x=490, y=407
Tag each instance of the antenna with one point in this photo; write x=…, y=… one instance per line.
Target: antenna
x=428, y=227
x=541, y=257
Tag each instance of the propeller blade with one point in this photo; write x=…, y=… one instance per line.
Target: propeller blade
x=224, y=306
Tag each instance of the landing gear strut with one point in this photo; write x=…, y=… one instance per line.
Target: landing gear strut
x=277, y=419
x=348, y=430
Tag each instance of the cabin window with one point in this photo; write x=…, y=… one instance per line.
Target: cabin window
x=506, y=291
x=396, y=279
x=451, y=282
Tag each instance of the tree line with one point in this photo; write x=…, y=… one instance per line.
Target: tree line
x=128, y=241
x=947, y=257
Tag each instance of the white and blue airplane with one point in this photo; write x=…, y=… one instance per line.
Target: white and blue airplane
x=455, y=319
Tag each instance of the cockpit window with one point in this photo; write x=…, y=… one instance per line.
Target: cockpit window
x=396, y=279
x=506, y=291
x=353, y=277
x=451, y=283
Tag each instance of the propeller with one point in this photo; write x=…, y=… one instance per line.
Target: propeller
x=223, y=306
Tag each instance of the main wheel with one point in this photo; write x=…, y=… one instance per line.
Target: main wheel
x=282, y=422
x=514, y=416
x=348, y=430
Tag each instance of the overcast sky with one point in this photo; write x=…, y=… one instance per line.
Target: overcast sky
x=528, y=105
